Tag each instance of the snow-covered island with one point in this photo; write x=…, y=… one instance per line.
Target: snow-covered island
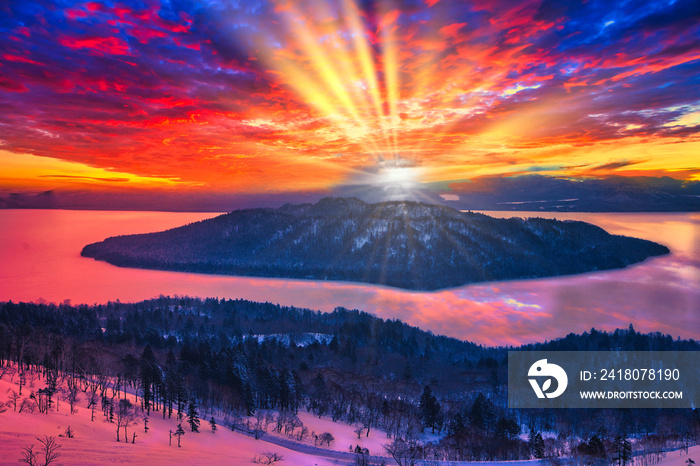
x=401, y=244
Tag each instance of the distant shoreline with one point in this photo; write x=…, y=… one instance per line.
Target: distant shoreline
x=476, y=209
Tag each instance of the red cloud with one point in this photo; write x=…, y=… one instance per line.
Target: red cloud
x=107, y=45
x=143, y=34
x=93, y=6
x=75, y=13
x=452, y=30
x=17, y=58
x=8, y=85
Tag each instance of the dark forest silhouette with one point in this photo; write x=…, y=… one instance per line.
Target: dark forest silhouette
x=242, y=358
x=401, y=244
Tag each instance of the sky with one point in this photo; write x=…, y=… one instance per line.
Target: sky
x=258, y=97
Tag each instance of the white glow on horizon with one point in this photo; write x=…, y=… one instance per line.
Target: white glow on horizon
x=405, y=177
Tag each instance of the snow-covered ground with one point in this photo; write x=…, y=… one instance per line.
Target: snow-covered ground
x=679, y=457
x=95, y=442
x=343, y=433
x=299, y=339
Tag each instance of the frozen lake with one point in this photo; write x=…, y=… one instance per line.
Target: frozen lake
x=40, y=259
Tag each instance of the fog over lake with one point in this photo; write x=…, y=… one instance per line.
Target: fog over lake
x=40, y=259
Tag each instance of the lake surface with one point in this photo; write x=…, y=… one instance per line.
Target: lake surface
x=40, y=259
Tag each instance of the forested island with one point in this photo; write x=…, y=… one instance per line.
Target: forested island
x=401, y=244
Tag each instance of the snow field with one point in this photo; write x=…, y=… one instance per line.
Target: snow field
x=95, y=442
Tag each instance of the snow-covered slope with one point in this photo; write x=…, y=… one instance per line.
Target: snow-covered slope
x=95, y=442
x=680, y=458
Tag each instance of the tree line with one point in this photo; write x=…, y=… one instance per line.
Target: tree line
x=193, y=359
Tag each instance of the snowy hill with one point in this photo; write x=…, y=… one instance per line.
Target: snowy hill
x=94, y=442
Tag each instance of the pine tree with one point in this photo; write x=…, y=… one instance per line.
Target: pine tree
x=536, y=444
x=596, y=447
x=193, y=416
x=212, y=423
x=482, y=413
x=181, y=396
x=627, y=449
x=248, y=399
x=429, y=408
x=623, y=450
x=179, y=433
x=457, y=425
x=170, y=360
x=506, y=428
x=147, y=376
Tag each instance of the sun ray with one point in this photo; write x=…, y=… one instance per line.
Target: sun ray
x=460, y=89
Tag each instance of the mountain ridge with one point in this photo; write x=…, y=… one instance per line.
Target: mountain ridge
x=533, y=192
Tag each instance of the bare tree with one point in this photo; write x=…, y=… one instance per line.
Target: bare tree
x=72, y=393
x=49, y=451
x=14, y=398
x=29, y=456
x=50, y=447
x=361, y=456
x=269, y=419
x=267, y=457
x=326, y=438
x=92, y=405
x=41, y=400
x=291, y=424
x=126, y=414
x=7, y=369
x=281, y=419
x=404, y=453
x=91, y=392
x=22, y=347
x=236, y=419
x=259, y=423
x=303, y=433
x=26, y=406
x=371, y=414
x=22, y=381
